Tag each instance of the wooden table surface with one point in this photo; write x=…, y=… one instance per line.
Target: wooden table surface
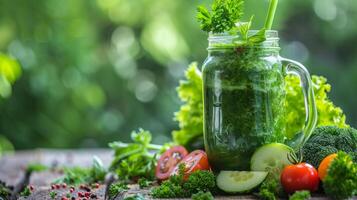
x=12, y=171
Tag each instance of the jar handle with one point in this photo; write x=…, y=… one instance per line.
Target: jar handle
x=296, y=68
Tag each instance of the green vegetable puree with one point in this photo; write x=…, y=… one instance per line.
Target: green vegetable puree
x=243, y=104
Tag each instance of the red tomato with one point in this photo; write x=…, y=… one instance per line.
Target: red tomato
x=168, y=160
x=196, y=160
x=301, y=176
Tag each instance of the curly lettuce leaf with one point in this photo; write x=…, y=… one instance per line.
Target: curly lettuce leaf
x=328, y=113
x=190, y=115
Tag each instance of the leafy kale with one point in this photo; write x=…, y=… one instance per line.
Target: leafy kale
x=300, y=195
x=223, y=16
x=326, y=140
x=341, y=179
x=135, y=159
x=116, y=188
x=190, y=115
x=178, y=187
x=78, y=175
x=202, y=196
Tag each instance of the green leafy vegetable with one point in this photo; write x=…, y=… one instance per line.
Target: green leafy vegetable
x=116, y=188
x=143, y=182
x=202, y=196
x=223, y=16
x=177, y=187
x=328, y=113
x=190, y=115
x=341, y=179
x=135, y=197
x=300, y=195
x=5, y=191
x=36, y=167
x=135, y=159
x=326, y=140
x=26, y=192
x=271, y=187
x=78, y=175
x=53, y=194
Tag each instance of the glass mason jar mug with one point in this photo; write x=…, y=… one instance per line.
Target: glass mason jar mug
x=244, y=95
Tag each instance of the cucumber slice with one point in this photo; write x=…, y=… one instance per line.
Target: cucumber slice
x=239, y=181
x=270, y=157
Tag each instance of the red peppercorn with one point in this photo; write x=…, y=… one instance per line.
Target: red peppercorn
x=80, y=194
x=64, y=198
x=87, y=194
x=57, y=186
x=53, y=187
x=31, y=187
x=71, y=190
x=96, y=185
x=64, y=185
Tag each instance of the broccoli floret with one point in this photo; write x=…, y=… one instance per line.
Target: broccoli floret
x=341, y=179
x=326, y=140
x=300, y=195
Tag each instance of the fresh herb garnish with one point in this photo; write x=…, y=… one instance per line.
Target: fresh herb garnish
x=300, y=195
x=135, y=159
x=143, y=182
x=223, y=16
x=116, y=189
x=26, y=192
x=177, y=187
x=53, y=194
x=78, y=175
x=202, y=196
x=341, y=179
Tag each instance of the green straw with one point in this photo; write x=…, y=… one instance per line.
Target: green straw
x=271, y=13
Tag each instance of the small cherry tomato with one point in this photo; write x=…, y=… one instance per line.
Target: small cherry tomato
x=301, y=176
x=324, y=165
x=168, y=161
x=196, y=160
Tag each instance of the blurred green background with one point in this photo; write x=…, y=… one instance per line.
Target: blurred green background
x=90, y=71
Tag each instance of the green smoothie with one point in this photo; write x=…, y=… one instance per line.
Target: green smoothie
x=243, y=105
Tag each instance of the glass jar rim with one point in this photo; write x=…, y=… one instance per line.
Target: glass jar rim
x=227, y=40
x=270, y=34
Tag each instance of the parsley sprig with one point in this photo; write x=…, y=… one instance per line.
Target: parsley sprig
x=222, y=17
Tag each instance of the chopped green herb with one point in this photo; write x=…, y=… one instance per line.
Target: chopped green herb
x=78, y=175
x=136, y=197
x=5, y=191
x=300, y=195
x=53, y=194
x=177, y=187
x=116, y=189
x=202, y=196
x=143, y=182
x=26, y=192
x=36, y=167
